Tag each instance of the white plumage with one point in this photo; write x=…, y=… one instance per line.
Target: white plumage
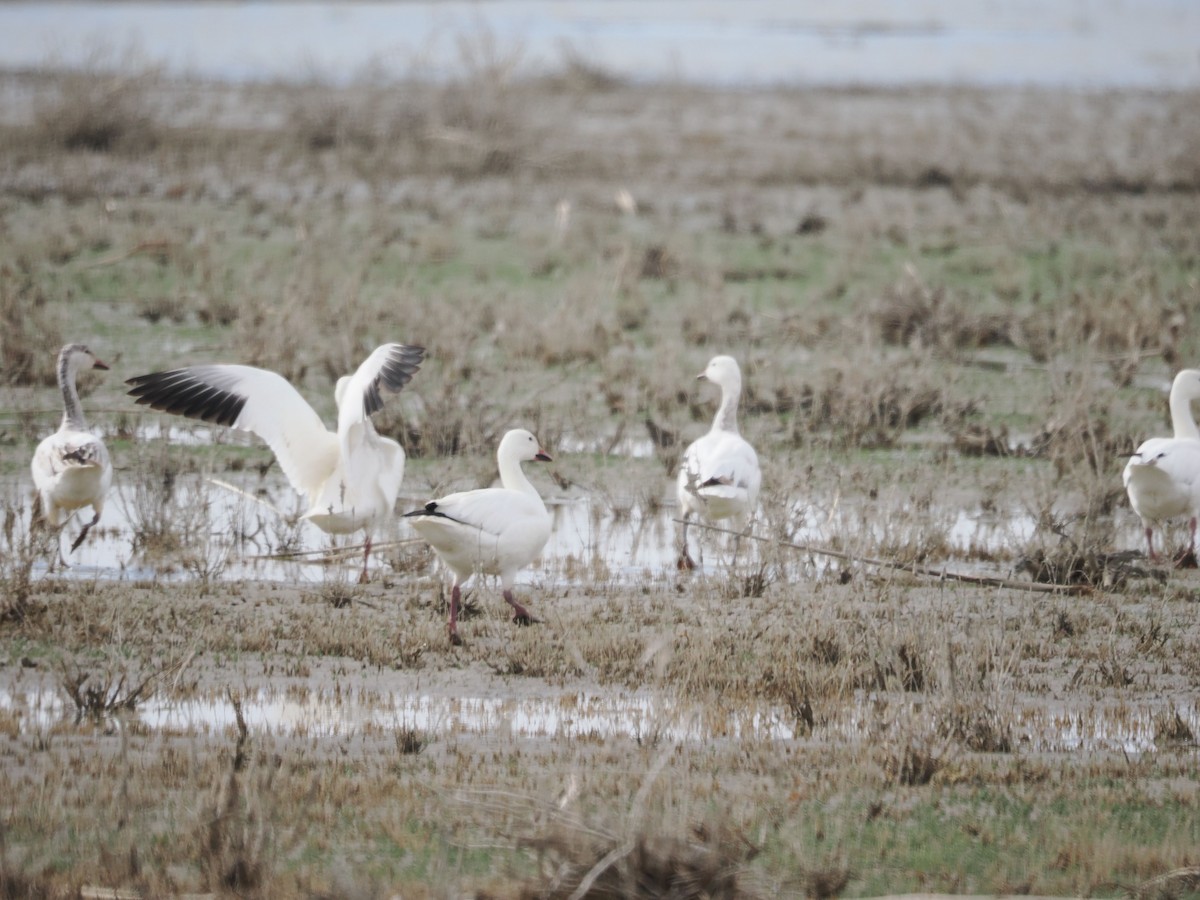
x=1162, y=478
x=494, y=531
x=720, y=477
x=350, y=477
x=71, y=468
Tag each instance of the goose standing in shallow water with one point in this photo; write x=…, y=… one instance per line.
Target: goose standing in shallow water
x=720, y=477
x=1162, y=477
x=495, y=531
x=71, y=468
x=351, y=477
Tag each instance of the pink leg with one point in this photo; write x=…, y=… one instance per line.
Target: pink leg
x=1150, y=544
x=685, y=562
x=520, y=614
x=86, y=529
x=363, y=579
x=455, y=597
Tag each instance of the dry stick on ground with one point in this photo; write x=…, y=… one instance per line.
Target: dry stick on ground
x=636, y=815
x=333, y=554
x=155, y=246
x=1169, y=885
x=913, y=569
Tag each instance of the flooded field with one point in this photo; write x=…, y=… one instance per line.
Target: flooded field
x=957, y=311
x=241, y=529
x=1096, y=728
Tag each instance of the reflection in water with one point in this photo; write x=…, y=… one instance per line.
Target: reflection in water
x=639, y=716
x=214, y=529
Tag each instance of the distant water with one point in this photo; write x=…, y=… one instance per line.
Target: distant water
x=1073, y=43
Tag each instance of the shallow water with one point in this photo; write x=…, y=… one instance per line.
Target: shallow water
x=249, y=528
x=1107, y=43
x=1046, y=728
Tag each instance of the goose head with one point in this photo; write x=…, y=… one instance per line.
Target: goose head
x=76, y=357
x=520, y=445
x=724, y=372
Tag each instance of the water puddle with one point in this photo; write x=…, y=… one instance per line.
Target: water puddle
x=645, y=717
x=324, y=714
x=247, y=525
x=243, y=526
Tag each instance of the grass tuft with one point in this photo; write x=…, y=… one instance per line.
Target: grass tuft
x=97, y=695
x=705, y=864
x=235, y=853
x=101, y=110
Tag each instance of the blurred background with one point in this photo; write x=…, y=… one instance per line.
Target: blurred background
x=1062, y=43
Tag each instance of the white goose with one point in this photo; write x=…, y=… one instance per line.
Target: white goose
x=720, y=477
x=351, y=476
x=496, y=531
x=1162, y=477
x=71, y=468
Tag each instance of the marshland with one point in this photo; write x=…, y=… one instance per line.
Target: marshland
x=957, y=312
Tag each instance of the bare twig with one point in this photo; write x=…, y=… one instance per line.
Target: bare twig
x=153, y=246
x=332, y=554
x=1169, y=884
x=911, y=568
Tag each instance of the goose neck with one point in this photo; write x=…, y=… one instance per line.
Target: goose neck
x=726, y=418
x=1182, y=421
x=72, y=410
x=513, y=477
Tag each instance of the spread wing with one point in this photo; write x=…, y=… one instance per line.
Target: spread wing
x=249, y=399
x=389, y=367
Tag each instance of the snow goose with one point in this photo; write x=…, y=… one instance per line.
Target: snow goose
x=1162, y=477
x=71, y=468
x=350, y=477
x=496, y=531
x=720, y=477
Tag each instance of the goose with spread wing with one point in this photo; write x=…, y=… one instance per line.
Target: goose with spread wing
x=720, y=477
x=71, y=468
x=1162, y=477
x=350, y=477
x=495, y=531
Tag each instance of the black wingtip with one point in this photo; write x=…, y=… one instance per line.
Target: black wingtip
x=181, y=393
x=402, y=362
x=429, y=509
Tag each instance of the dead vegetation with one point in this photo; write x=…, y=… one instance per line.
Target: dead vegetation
x=703, y=865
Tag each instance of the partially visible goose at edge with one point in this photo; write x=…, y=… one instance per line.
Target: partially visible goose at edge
x=1162, y=477
x=720, y=477
x=350, y=477
x=71, y=468
x=494, y=531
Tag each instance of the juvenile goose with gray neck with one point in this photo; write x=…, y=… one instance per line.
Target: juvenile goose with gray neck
x=71, y=468
x=720, y=477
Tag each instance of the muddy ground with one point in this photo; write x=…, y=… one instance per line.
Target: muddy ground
x=956, y=311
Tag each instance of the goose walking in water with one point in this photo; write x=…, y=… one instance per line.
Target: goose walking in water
x=495, y=531
x=71, y=468
x=719, y=477
x=1162, y=477
x=350, y=477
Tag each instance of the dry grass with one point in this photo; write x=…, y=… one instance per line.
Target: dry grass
x=103, y=109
